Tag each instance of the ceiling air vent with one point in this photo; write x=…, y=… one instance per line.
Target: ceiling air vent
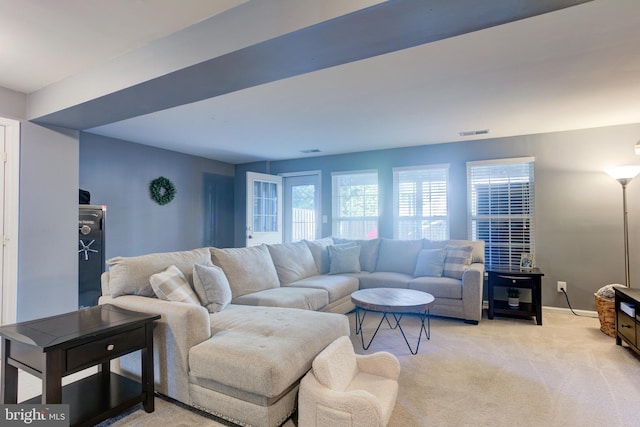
x=474, y=132
x=309, y=151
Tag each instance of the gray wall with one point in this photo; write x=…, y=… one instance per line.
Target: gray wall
x=48, y=245
x=579, y=236
x=118, y=173
x=13, y=105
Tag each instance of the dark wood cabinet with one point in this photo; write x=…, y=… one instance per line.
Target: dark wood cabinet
x=628, y=317
x=507, y=277
x=60, y=345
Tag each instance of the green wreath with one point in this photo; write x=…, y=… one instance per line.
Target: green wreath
x=162, y=190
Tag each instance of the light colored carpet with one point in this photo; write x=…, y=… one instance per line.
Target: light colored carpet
x=503, y=372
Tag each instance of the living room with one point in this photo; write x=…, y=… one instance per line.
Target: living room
x=579, y=236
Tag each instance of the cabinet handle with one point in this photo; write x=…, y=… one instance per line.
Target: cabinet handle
x=515, y=278
x=625, y=326
x=110, y=347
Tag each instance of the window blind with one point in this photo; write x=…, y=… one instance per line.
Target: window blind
x=355, y=204
x=501, y=208
x=421, y=202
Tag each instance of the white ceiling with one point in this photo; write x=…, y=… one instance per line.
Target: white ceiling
x=571, y=69
x=45, y=41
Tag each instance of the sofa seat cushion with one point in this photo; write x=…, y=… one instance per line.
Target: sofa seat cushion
x=338, y=286
x=303, y=298
x=263, y=350
x=384, y=279
x=439, y=287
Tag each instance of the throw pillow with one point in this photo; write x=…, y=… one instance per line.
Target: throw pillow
x=130, y=275
x=456, y=261
x=171, y=285
x=212, y=287
x=344, y=259
x=368, y=252
x=430, y=263
x=320, y=251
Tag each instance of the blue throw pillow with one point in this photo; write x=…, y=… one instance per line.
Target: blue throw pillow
x=430, y=263
x=344, y=259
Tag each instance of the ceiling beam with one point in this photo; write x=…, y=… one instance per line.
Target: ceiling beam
x=376, y=30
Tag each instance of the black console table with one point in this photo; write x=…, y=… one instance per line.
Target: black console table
x=508, y=277
x=57, y=346
x=628, y=317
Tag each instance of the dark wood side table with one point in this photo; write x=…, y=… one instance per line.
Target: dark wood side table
x=57, y=346
x=508, y=277
x=628, y=318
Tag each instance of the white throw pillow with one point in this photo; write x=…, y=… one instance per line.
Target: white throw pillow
x=212, y=287
x=171, y=285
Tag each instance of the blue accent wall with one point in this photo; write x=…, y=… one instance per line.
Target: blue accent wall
x=118, y=173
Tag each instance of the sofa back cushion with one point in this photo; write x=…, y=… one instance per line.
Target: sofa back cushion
x=368, y=252
x=247, y=269
x=130, y=275
x=293, y=261
x=398, y=256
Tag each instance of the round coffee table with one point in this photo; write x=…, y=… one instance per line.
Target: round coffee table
x=395, y=302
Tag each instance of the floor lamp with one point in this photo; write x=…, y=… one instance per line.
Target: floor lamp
x=624, y=175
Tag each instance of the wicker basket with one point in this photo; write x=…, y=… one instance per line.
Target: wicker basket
x=607, y=315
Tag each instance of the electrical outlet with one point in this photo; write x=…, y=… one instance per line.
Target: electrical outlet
x=562, y=286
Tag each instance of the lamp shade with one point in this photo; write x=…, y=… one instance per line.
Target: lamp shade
x=624, y=172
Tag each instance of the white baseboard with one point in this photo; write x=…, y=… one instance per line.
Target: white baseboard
x=590, y=313
x=568, y=311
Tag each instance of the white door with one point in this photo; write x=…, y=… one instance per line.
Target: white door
x=9, y=176
x=302, y=211
x=264, y=209
x=2, y=184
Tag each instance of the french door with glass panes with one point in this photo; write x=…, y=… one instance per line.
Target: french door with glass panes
x=264, y=209
x=302, y=213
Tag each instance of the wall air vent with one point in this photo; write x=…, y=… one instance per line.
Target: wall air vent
x=474, y=132
x=309, y=151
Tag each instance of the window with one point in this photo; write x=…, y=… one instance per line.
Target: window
x=420, y=202
x=355, y=204
x=501, y=203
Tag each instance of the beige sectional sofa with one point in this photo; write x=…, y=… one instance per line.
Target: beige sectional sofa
x=241, y=355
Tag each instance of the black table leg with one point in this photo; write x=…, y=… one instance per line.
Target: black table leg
x=8, y=376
